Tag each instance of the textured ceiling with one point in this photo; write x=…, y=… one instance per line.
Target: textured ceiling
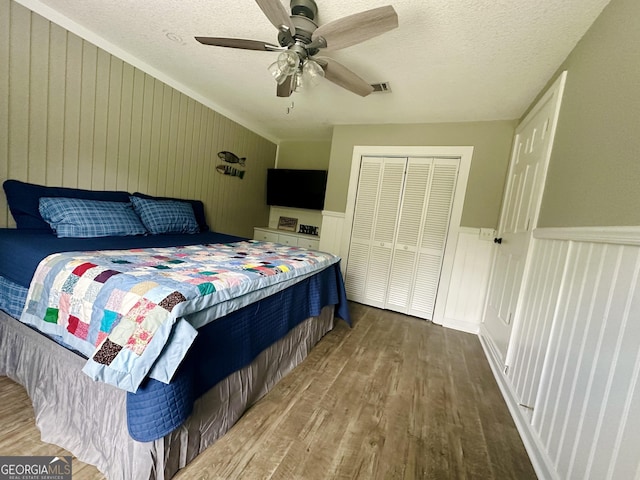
x=449, y=61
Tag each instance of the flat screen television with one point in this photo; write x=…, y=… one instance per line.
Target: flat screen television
x=296, y=188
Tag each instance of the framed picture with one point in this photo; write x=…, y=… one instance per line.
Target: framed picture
x=287, y=223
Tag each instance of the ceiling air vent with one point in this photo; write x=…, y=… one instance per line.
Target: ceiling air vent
x=383, y=87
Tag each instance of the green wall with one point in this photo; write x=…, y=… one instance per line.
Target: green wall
x=492, y=147
x=312, y=155
x=594, y=173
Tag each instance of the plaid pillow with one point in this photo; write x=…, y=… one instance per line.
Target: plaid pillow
x=197, y=205
x=75, y=217
x=166, y=216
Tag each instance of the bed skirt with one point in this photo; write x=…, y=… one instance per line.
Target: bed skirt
x=89, y=418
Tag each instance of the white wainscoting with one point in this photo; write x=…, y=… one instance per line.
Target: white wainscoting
x=573, y=364
x=468, y=285
x=331, y=236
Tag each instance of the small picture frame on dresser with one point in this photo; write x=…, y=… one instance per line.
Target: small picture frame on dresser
x=287, y=223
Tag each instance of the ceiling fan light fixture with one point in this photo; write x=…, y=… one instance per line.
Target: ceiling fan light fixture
x=312, y=70
x=277, y=73
x=288, y=62
x=309, y=75
x=298, y=81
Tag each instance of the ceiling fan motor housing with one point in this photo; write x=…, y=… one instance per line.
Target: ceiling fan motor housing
x=303, y=13
x=304, y=8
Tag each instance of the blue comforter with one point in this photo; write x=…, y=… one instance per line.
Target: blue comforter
x=22, y=250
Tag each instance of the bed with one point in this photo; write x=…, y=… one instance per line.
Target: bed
x=152, y=421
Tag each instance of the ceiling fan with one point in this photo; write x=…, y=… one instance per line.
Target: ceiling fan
x=300, y=39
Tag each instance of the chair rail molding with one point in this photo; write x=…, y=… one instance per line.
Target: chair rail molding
x=626, y=235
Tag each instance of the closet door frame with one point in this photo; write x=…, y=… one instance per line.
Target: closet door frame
x=464, y=153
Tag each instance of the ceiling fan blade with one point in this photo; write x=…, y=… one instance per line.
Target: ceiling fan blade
x=239, y=43
x=285, y=89
x=357, y=28
x=342, y=76
x=277, y=15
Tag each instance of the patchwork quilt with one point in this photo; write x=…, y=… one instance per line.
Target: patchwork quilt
x=135, y=313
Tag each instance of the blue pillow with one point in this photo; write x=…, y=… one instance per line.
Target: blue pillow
x=80, y=218
x=197, y=205
x=166, y=216
x=23, y=199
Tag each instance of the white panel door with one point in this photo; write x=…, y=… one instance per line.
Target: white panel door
x=376, y=215
x=525, y=184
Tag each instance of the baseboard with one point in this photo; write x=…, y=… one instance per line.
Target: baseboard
x=461, y=325
x=540, y=461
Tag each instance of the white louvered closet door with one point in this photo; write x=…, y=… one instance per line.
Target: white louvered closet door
x=433, y=237
x=375, y=218
x=399, y=232
x=362, y=229
x=408, y=234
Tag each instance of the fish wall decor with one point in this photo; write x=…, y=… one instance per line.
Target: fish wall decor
x=231, y=171
x=230, y=157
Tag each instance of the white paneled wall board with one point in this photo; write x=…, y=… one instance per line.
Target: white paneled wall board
x=531, y=333
x=573, y=377
x=469, y=278
x=332, y=233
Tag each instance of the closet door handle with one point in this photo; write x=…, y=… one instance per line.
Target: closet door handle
x=497, y=240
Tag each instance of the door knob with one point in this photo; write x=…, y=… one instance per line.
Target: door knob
x=497, y=240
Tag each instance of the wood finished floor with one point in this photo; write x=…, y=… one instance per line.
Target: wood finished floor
x=392, y=398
